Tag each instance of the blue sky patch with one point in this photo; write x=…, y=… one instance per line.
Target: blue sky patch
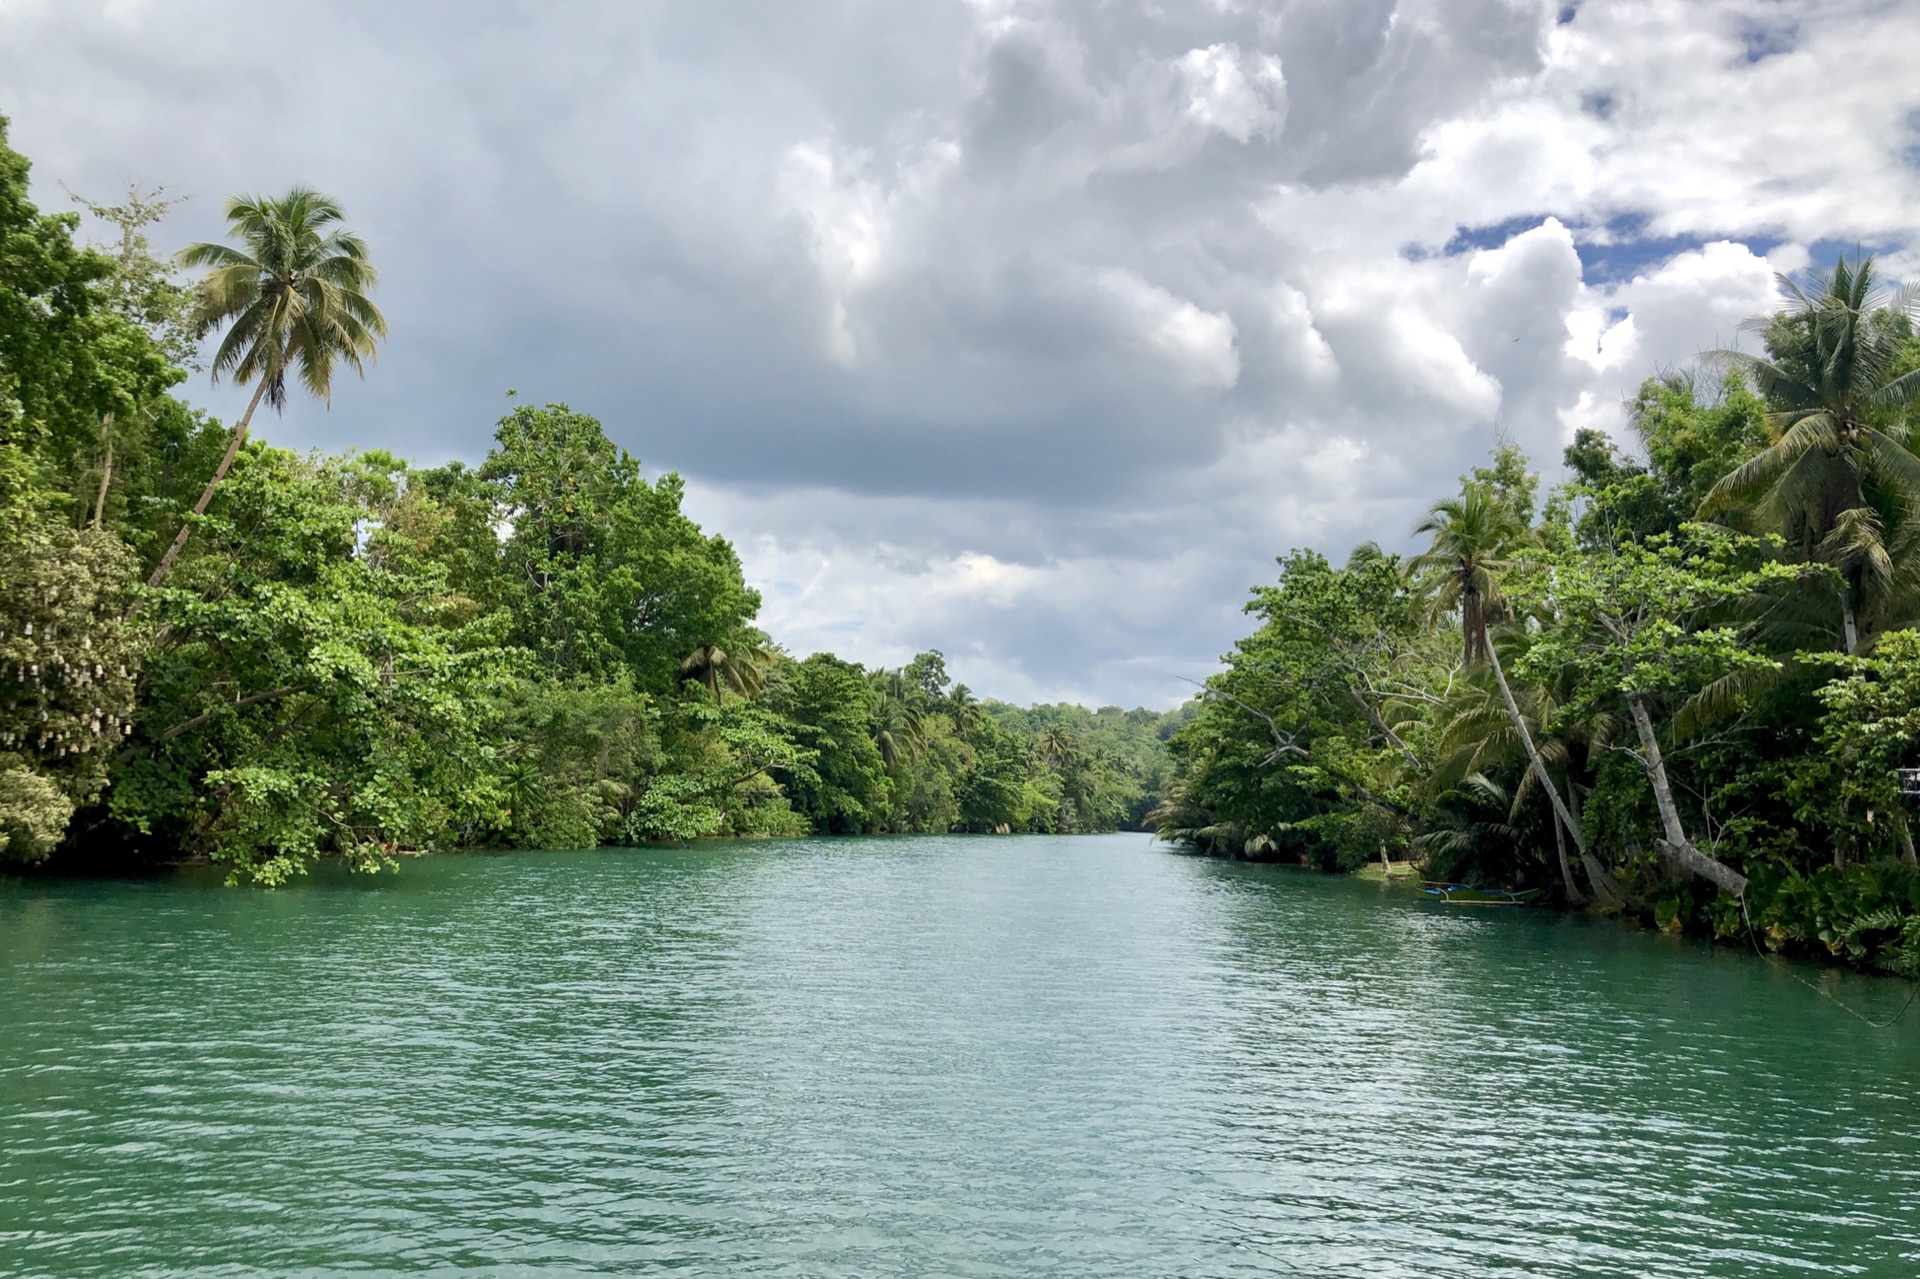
x=1824, y=253
x=1612, y=252
x=1468, y=238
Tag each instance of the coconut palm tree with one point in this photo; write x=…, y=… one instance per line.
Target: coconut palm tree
x=293, y=297
x=1474, y=536
x=964, y=707
x=900, y=718
x=743, y=670
x=1839, y=474
x=1480, y=736
x=1055, y=746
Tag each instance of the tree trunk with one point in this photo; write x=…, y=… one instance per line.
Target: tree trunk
x=1906, y=841
x=1380, y=726
x=1540, y=773
x=1473, y=624
x=1676, y=845
x=106, y=470
x=1574, y=895
x=1849, y=627
x=165, y=565
x=1605, y=886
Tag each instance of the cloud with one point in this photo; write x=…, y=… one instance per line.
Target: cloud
x=1028, y=329
x=1232, y=93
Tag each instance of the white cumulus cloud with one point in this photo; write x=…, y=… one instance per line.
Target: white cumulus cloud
x=1028, y=330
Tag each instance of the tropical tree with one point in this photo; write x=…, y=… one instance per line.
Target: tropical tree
x=743, y=670
x=293, y=298
x=964, y=707
x=900, y=716
x=1054, y=745
x=1480, y=736
x=1474, y=536
x=1839, y=471
x=1636, y=624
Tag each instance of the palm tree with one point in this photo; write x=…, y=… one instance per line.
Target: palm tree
x=294, y=296
x=1481, y=736
x=1473, y=535
x=1055, y=746
x=1839, y=469
x=964, y=707
x=743, y=671
x=900, y=721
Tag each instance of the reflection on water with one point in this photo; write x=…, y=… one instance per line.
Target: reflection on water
x=917, y=1057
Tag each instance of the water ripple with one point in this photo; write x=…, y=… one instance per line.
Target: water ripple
x=968, y=1057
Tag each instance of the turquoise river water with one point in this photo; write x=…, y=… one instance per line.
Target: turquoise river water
x=922, y=1057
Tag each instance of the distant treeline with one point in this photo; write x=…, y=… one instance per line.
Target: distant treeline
x=1681, y=686
x=213, y=648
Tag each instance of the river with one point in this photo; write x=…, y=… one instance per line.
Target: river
x=922, y=1057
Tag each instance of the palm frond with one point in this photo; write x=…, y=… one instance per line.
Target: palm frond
x=1724, y=698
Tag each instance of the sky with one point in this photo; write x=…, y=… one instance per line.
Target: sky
x=1032, y=332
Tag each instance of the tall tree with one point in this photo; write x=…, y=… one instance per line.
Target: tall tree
x=1838, y=373
x=293, y=297
x=1635, y=627
x=741, y=669
x=1474, y=536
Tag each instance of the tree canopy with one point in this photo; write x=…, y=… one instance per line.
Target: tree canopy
x=357, y=657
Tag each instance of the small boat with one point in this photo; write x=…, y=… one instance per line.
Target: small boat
x=1468, y=895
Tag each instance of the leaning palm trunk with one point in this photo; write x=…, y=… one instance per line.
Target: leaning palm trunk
x=1676, y=844
x=165, y=565
x=1539, y=765
x=1611, y=894
x=1574, y=895
x=1564, y=818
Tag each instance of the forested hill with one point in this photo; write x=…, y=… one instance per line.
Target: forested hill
x=210, y=647
x=1680, y=685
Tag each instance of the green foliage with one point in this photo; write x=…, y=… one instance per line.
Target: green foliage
x=351, y=657
x=34, y=812
x=69, y=361
x=1629, y=618
x=142, y=286
x=69, y=364
x=1691, y=446
x=1695, y=721
x=1867, y=915
x=310, y=694
x=1869, y=730
x=68, y=661
x=846, y=789
x=1295, y=752
x=602, y=570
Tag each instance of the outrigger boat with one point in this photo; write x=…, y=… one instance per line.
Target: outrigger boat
x=1468, y=895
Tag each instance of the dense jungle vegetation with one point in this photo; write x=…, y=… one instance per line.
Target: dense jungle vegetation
x=214, y=648
x=1678, y=687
